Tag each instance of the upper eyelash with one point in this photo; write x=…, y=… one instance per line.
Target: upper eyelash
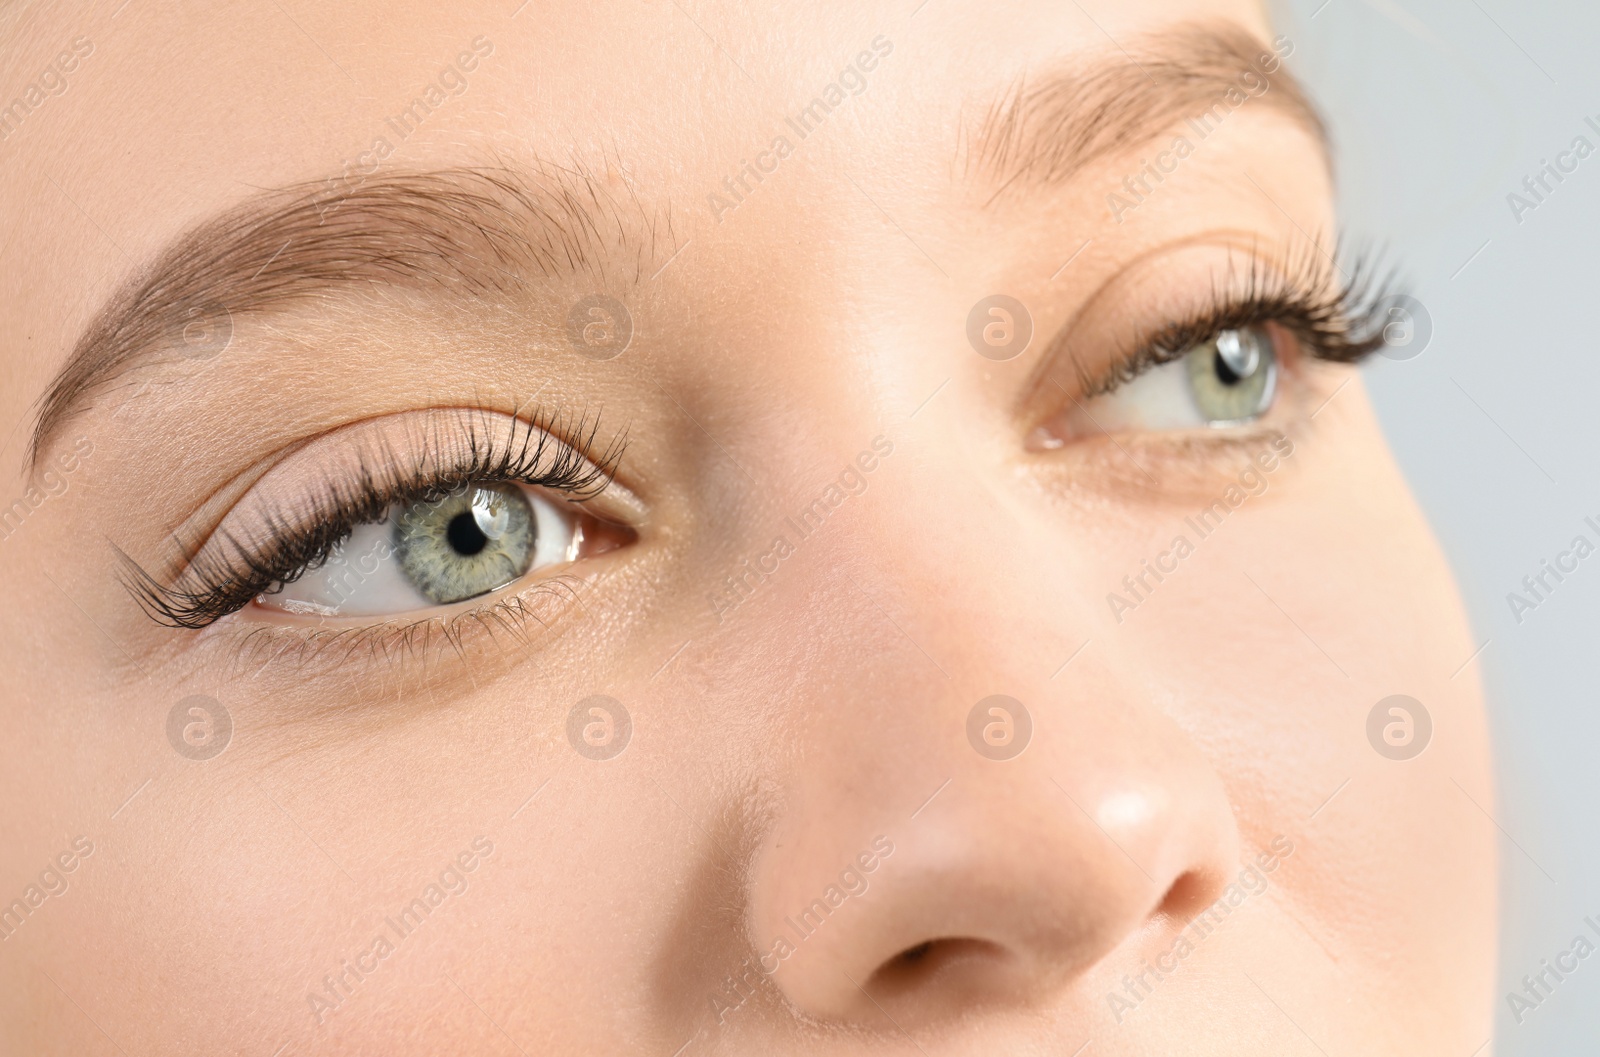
x=528, y=451
x=1340, y=324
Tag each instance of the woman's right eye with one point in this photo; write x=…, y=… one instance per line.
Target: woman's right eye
x=474, y=540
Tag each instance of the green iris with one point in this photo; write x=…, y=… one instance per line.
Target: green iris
x=469, y=543
x=1232, y=377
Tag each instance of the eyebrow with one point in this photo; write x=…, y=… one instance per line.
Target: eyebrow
x=469, y=232
x=1043, y=133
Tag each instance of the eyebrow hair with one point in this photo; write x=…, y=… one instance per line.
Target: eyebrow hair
x=473, y=232
x=1045, y=132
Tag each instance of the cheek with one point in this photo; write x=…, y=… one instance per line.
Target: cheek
x=1324, y=598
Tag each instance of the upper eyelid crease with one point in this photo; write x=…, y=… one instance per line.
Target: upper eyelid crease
x=461, y=232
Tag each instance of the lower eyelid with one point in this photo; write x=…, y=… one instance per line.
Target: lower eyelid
x=479, y=633
x=1170, y=469
x=1184, y=466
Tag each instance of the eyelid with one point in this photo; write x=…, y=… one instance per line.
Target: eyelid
x=353, y=474
x=617, y=500
x=1167, y=301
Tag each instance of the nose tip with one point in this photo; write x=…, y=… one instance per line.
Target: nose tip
x=1003, y=891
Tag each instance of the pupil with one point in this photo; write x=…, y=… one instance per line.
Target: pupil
x=465, y=535
x=1225, y=374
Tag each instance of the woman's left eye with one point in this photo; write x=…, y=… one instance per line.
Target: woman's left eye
x=1232, y=377
x=475, y=539
x=1228, y=380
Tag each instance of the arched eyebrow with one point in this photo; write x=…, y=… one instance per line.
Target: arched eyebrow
x=1044, y=132
x=466, y=232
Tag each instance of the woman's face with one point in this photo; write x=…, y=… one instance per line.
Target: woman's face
x=684, y=528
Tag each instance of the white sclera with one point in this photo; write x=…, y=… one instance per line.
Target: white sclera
x=362, y=576
x=1159, y=398
x=1162, y=398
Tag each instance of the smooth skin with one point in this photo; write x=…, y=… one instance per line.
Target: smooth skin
x=779, y=743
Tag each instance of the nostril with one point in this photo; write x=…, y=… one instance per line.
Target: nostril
x=965, y=964
x=1191, y=893
x=917, y=953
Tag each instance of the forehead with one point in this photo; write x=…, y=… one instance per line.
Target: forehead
x=178, y=109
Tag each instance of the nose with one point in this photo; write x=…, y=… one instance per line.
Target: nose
x=912, y=873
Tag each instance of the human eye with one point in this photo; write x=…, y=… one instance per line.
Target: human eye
x=1228, y=379
x=410, y=517
x=1226, y=364
x=474, y=539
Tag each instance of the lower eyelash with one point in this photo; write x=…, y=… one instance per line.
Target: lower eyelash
x=541, y=604
x=1166, y=470
x=527, y=451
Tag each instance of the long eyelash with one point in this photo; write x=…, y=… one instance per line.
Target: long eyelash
x=528, y=451
x=1340, y=322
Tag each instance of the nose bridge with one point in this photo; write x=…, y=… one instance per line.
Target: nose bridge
x=936, y=549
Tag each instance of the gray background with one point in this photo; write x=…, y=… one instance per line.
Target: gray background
x=1438, y=109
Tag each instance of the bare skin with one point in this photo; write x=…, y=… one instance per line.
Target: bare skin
x=1196, y=850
